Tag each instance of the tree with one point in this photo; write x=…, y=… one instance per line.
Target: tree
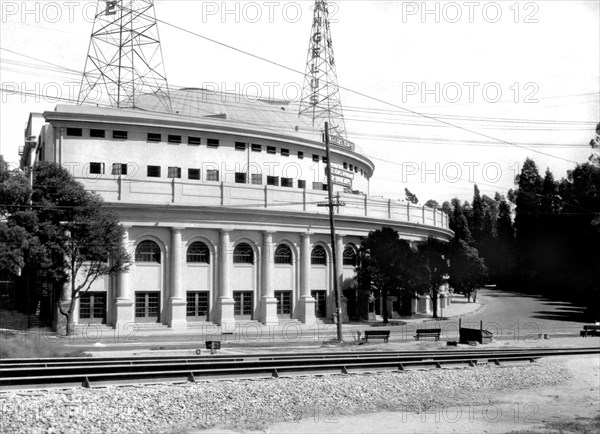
x=93, y=249
x=431, y=203
x=431, y=267
x=14, y=195
x=528, y=204
x=467, y=269
x=69, y=236
x=384, y=264
x=458, y=222
x=595, y=144
x=476, y=225
x=410, y=197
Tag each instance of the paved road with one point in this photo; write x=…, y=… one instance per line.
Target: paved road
x=513, y=315
x=508, y=315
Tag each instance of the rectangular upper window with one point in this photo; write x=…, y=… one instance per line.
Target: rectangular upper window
x=256, y=178
x=315, y=158
x=285, y=152
x=121, y=135
x=153, y=172
x=287, y=182
x=301, y=183
x=97, y=133
x=300, y=155
x=325, y=187
x=212, y=175
x=324, y=159
x=240, y=177
x=256, y=148
x=240, y=146
x=345, y=165
x=174, y=172
x=154, y=137
x=212, y=143
x=271, y=150
x=194, y=141
x=273, y=180
x=97, y=168
x=174, y=139
x=351, y=167
x=119, y=169
x=75, y=132
x=194, y=174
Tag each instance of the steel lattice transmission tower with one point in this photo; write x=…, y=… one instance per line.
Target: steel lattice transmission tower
x=124, y=58
x=320, y=95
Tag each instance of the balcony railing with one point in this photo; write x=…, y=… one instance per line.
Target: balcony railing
x=253, y=197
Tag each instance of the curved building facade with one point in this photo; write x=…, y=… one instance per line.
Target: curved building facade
x=220, y=201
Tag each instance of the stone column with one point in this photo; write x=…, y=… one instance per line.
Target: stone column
x=414, y=304
x=307, y=302
x=340, y=269
x=268, y=305
x=124, y=314
x=225, y=301
x=177, y=299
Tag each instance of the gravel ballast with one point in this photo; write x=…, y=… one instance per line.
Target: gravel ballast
x=254, y=404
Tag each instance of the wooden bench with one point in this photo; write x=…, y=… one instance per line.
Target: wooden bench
x=377, y=334
x=225, y=335
x=592, y=330
x=428, y=332
x=213, y=345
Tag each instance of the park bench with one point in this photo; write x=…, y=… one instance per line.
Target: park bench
x=377, y=334
x=428, y=332
x=592, y=330
x=225, y=335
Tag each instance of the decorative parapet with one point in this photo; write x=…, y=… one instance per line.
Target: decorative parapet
x=254, y=197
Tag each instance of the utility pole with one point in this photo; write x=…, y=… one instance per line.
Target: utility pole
x=336, y=289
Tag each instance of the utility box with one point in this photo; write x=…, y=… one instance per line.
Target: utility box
x=480, y=335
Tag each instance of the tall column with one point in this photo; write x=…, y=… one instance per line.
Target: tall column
x=268, y=306
x=225, y=302
x=177, y=299
x=307, y=302
x=340, y=269
x=124, y=303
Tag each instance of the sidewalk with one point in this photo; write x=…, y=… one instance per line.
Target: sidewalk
x=246, y=334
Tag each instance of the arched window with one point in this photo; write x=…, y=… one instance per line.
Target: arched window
x=147, y=251
x=283, y=254
x=349, y=256
x=318, y=256
x=243, y=254
x=198, y=253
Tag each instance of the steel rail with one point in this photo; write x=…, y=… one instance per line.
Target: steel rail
x=68, y=376
x=66, y=361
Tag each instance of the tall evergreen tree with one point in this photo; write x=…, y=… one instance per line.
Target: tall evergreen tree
x=476, y=225
x=527, y=219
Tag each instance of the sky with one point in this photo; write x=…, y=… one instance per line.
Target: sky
x=439, y=95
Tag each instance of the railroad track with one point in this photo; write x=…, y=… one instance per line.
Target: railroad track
x=72, y=372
